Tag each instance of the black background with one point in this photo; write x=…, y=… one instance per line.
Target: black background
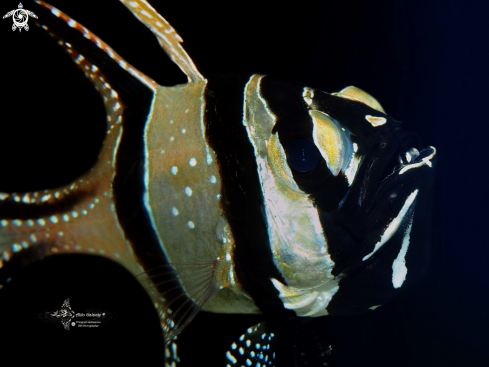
x=426, y=61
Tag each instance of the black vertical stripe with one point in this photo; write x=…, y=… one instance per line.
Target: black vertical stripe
x=242, y=199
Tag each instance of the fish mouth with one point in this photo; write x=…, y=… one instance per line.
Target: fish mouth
x=408, y=159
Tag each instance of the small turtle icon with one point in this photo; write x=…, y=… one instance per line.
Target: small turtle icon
x=20, y=17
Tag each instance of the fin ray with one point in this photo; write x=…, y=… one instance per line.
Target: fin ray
x=95, y=40
x=178, y=305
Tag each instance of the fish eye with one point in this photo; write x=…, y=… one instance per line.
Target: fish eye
x=302, y=155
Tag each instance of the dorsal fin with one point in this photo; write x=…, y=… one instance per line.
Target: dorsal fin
x=166, y=35
x=357, y=94
x=75, y=54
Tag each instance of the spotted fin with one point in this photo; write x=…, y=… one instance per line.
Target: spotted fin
x=36, y=224
x=301, y=342
x=256, y=347
x=83, y=217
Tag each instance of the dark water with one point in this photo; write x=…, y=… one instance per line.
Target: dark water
x=425, y=61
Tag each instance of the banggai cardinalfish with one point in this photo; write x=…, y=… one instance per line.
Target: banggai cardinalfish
x=233, y=194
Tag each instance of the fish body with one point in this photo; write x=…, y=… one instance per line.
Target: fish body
x=232, y=194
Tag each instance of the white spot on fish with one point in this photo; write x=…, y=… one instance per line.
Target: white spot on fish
x=231, y=358
x=66, y=218
x=174, y=211
x=188, y=191
x=213, y=179
x=33, y=237
x=53, y=219
x=24, y=244
x=183, y=131
x=174, y=170
x=3, y=196
x=144, y=12
x=16, y=247
x=17, y=222
x=74, y=214
x=209, y=159
x=41, y=221
x=192, y=162
x=186, y=111
x=191, y=224
x=4, y=223
x=71, y=23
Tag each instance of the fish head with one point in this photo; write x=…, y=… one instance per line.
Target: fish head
x=340, y=181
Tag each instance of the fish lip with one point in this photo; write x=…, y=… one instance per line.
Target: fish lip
x=407, y=141
x=423, y=154
x=413, y=172
x=398, y=175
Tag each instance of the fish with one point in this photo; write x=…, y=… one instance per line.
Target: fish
x=233, y=194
